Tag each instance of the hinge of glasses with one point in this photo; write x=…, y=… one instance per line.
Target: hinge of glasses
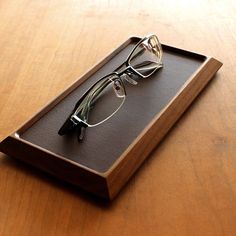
x=76, y=120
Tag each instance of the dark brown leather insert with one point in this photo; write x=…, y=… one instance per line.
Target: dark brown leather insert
x=105, y=143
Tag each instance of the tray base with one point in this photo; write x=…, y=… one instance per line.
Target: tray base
x=114, y=150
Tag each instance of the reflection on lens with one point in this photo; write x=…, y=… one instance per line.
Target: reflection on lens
x=146, y=58
x=103, y=101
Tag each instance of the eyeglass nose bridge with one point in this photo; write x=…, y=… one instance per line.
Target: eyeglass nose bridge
x=126, y=74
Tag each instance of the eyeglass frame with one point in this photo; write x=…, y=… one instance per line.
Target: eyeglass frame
x=128, y=70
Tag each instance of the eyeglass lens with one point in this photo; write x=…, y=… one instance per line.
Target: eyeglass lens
x=146, y=58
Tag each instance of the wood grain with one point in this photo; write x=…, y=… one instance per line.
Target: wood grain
x=91, y=175
x=187, y=186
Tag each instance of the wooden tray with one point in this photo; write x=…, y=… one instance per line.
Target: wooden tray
x=113, y=151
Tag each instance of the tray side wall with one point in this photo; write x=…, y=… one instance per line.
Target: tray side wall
x=56, y=166
x=134, y=156
x=108, y=184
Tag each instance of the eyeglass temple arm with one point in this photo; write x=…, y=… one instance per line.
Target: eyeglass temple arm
x=70, y=124
x=86, y=105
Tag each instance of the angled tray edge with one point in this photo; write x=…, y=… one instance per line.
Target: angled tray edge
x=112, y=180
x=132, y=158
x=56, y=165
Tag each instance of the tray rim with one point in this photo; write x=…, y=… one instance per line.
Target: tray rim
x=108, y=175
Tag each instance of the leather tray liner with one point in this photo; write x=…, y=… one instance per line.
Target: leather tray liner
x=105, y=144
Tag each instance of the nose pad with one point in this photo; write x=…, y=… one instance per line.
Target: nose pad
x=128, y=78
x=118, y=89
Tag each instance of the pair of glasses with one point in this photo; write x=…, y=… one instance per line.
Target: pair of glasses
x=104, y=98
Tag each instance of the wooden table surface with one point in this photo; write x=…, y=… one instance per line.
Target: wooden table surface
x=187, y=186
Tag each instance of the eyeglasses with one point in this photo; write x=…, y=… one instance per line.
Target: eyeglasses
x=107, y=95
